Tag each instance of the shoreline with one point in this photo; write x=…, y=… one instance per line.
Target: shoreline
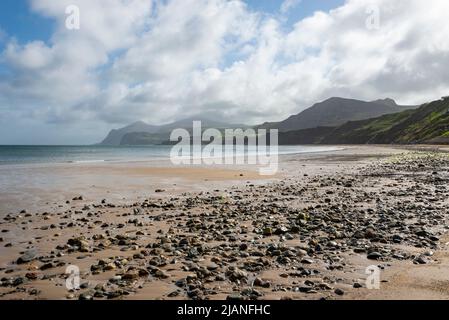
x=224, y=217
x=43, y=186
x=102, y=178
x=157, y=160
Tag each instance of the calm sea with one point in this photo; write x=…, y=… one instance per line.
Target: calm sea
x=80, y=154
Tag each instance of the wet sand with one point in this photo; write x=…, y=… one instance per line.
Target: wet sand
x=42, y=186
x=151, y=231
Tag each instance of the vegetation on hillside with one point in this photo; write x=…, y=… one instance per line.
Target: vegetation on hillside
x=427, y=124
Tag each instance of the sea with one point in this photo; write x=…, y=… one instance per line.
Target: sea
x=11, y=155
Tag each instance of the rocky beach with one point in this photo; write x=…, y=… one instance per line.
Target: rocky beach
x=310, y=232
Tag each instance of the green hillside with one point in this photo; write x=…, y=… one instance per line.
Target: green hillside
x=427, y=124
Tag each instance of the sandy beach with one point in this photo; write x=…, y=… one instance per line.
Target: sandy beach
x=148, y=230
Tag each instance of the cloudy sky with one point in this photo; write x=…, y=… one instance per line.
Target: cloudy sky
x=241, y=61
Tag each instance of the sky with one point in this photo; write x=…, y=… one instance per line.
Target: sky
x=239, y=61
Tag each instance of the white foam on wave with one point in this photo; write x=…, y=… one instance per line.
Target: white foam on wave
x=86, y=161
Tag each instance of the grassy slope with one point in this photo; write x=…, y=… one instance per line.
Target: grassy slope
x=429, y=123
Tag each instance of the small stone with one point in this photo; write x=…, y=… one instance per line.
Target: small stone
x=307, y=261
x=84, y=285
x=109, y=266
x=281, y=230
x=131, y=275
x=258, y=282
x=47, y=266
x=34, y=292
x=267, y=231
x=302, y=216
x=195, y=294
x=143, y=273
x=324, y=286
x=80, y=242
x=235, y=297
x=374, y=255
x=397, y=238
x=18, y=281
x=161, y=274
x=212, y=266
x=220, y=277
x=85, y=296
x=236, y=274
x=31, y=276
x=370, y=233
x=288, y=236
x=421, y=260
x=115, y=294
x=304, y=289
x=28, y=256
x=173, y=294
x=339, y=292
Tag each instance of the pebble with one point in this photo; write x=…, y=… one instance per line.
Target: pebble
x=161, y=274
x=339, y=292
x=374, y=255
x=26, y=257
x=258, y=282
x=216, y=239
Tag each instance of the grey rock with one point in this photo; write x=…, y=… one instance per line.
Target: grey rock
x=27, y=256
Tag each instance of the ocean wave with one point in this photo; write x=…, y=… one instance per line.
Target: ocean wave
x=87, y=161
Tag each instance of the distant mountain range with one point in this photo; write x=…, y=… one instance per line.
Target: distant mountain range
x=114, y=138
x=334, y=112
x=333, y=121
x=140, y=133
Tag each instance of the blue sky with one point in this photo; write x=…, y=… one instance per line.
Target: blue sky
x=302, y=9
x=17, y=20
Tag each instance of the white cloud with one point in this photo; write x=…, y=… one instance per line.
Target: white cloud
x=289, y=4
x=159, y=62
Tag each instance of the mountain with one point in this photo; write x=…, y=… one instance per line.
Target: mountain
x=428, y=124
x=304, y=136
x=140, y=133
x=142, y=138
x=115, y=136
x=205, y=123
x=336, y=111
